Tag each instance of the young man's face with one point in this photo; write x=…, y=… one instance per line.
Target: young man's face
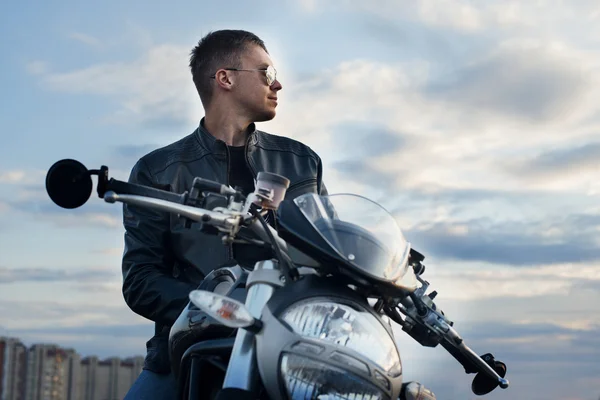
x=252, y=91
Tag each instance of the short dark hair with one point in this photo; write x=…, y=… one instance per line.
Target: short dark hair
x=218, y=49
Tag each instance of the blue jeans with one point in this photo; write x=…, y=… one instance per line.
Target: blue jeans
x=152, y=386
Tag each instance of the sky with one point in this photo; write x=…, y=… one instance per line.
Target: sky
x=476, y=124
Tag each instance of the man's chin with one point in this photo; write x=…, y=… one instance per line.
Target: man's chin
x=265, y=116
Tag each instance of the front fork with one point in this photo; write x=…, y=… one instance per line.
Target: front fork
x=242, y=371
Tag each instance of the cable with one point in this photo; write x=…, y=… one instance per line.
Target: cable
x=289, y=271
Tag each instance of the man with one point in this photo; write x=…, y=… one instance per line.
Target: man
x=163, y=261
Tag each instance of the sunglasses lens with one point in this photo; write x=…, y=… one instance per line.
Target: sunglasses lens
x=271, y=75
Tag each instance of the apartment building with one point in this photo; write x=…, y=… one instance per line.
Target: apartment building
x=50, y=372
x=13, y=364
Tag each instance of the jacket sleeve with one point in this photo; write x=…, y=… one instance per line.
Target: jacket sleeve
x=323, y=191
x=149, y=287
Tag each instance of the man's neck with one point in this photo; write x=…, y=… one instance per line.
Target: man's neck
x=231, y=130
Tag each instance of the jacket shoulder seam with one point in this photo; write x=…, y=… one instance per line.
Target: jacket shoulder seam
x=181, y=161
x=286, y=151
x=268, y=138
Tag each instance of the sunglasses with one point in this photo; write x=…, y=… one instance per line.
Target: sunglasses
x=270, y=73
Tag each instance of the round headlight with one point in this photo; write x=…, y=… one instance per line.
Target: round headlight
x=322, y=340
x=326, y=348
x=306, y=378
x=346, y=326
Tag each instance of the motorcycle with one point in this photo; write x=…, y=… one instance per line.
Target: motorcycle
x=311, y=319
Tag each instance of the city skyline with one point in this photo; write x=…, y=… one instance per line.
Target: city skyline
x=82, y=354
x=46, y=371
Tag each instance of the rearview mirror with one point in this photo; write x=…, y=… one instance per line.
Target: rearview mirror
x=69, y=183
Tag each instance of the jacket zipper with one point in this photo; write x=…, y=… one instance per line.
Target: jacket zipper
x=270, y=214
x=248, y=163
x=229, y=246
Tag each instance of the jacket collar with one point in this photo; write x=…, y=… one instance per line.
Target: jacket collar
x=217, y=146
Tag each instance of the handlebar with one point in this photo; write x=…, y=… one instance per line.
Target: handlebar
x=194, y=213
x=125, y=188
x=472, y=362
x=224, y=221
x=424, y=313
x=69, y=185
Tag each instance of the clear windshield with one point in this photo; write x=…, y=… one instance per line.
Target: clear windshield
x=361, y=231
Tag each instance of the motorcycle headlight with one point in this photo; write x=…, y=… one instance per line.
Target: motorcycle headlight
x=330, y=350
x=306, y=378
x=346, y=326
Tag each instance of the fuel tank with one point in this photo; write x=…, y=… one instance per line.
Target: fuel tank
x=193, y=325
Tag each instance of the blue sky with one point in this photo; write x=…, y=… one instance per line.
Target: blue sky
x=476, y=123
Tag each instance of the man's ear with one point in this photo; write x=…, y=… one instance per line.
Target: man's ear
x=224, y=80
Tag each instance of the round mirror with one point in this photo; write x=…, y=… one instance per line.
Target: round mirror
x=68, y=183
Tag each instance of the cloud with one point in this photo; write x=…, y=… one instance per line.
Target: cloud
x=88, y=326
x=111, y=251
x=361, y=172
x=533, y=82
x=21, y=177
x=527, y=227
x=508, y=17
x=14, y=275
x=85, y=39
x=309, y=6
x=11, y=176
x=539, y=343
x=334, y=99
x=458, y=135
x=480, y=107
x=446, y=163
x=155, y=91
x=441, y=129
x=92, y=214
x=135, y=151
x=458, y=15
x=101, y=331
x=449, y=14
x=530, y=297
x=27, y=314
x=121, y=158
x=544, y=361
x=538, y=320
x=368, y=139
x=83, y=220
x=91, y=340
x=511, y=243
x=101, y=288
x=37, y=67
x=27, y=195
x=31, y=198
x=563, y=161
x=563, y=295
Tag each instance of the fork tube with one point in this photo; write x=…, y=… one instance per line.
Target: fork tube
x=242, y=371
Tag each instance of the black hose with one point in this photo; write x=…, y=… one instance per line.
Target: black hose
x=290, y=273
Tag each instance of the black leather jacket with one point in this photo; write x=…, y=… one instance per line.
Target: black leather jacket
x=163, y=261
